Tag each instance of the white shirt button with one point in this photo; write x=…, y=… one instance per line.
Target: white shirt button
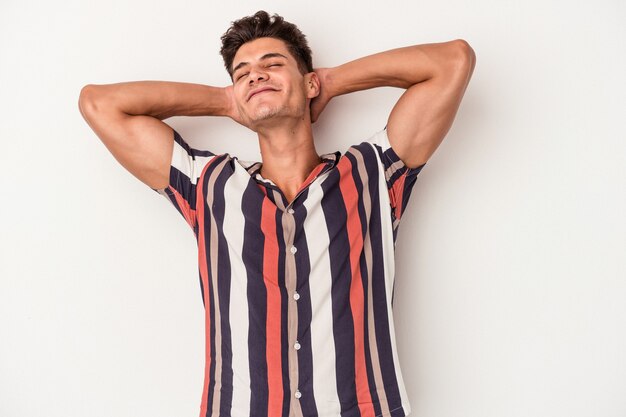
x=296, y=296
x=298, y=394
x=290, y=211
x=293, y=249
x=297, y=346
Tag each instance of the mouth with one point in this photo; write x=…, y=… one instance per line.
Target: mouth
x=259, y=91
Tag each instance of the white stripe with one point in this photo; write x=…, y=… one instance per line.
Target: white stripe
x=234, y=231
x=185, y=163
x=381, y=139
x=320, y=279
x=389, y=268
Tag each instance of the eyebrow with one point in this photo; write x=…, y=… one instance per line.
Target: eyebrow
x=266, y=56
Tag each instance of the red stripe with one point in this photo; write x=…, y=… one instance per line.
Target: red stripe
x=357, y=302
x=188, y=212
x=311, y=176
x=204, y=275
x=273, y=322
x=397, y=194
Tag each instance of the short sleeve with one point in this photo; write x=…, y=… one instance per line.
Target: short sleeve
x=400, y=179
x=186, y=168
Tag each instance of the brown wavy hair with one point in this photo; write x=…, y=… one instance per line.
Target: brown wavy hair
x=261, y=25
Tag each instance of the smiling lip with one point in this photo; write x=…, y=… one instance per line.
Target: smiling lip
x=260, y=90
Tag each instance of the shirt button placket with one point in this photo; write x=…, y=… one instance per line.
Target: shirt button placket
x=296, y=345
x=291, y=282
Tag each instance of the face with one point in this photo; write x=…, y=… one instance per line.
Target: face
x=268, y=85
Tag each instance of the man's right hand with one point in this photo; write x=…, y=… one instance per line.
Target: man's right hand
x=232, y=111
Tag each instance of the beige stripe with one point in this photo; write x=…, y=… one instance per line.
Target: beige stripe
x=393, y=168
x=253, y=167
x=375, y=362
x=292, y=312
x=213, y=273
x=395, y=223
x=279, y=200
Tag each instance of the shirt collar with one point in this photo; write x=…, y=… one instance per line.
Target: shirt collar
x=330, y=159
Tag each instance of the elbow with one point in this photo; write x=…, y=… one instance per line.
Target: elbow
x=465, y=53
x=461, y=60
x=85, y=97
x=88, y=99
x=90, y=92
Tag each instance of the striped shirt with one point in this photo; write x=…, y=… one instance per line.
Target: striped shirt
x=297, y=295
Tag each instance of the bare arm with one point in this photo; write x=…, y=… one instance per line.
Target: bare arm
x=435, y=77
x=128, y=116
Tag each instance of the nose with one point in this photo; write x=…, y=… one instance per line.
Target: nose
x=256, y=75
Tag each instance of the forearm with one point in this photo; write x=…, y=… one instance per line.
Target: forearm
x=160, y=99
x=401, y=67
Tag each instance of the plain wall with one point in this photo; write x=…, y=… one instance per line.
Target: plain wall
x=511, y=271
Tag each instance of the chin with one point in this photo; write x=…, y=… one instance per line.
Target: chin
x=266, y=113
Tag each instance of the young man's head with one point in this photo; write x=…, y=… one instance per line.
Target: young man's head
x=261, y=25
x=270, y=64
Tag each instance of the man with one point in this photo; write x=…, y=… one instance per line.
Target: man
x=296, y=253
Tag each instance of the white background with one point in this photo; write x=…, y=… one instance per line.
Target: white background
x=511, y=282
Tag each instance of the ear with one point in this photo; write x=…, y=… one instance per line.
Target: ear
x=312, y=85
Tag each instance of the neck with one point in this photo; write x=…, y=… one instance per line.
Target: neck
x=288, y=155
